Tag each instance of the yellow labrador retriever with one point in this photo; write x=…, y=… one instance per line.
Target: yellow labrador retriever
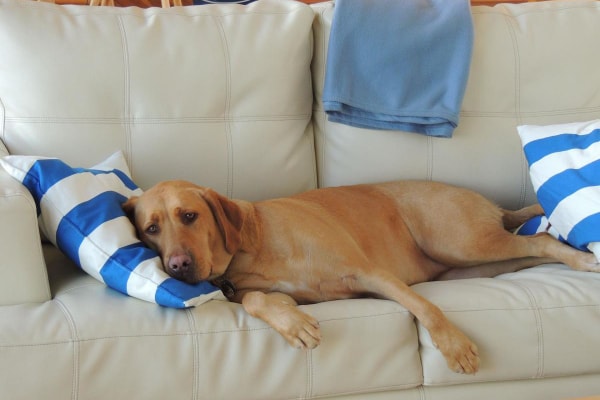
x=339, y=243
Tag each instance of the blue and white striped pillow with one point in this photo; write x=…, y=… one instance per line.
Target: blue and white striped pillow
x=80, y=212
x=564, y=165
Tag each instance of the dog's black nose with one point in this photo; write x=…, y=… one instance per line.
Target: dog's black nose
x=179, y=265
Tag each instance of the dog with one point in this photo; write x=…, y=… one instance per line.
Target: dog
x=371, y=240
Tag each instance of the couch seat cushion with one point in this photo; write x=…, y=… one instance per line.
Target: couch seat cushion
x=113, y=346
x=535, y=323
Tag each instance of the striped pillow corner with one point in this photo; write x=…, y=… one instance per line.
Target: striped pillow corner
x=564, y=165
x=80, y=213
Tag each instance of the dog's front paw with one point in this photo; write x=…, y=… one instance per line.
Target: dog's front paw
x=301, y=330
x=460, y=352
x=281, y=312
x=463, y=358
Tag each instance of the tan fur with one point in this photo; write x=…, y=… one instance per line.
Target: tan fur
x=338, y=243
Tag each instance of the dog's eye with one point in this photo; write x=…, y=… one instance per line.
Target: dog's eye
x=189, y=217
x=152, y=229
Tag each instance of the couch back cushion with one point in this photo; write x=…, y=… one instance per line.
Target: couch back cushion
x=532, y=63
x=218, y=95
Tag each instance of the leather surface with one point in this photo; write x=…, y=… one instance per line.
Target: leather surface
x=524, y=324
x=106, y=345
x=23, y=276
x=231, y=108
x=201, y=102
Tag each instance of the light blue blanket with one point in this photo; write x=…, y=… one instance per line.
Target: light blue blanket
x=399, y=64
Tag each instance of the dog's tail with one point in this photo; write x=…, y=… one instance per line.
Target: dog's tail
x=514, y=219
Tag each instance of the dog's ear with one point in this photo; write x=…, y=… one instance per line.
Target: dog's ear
x=229, y=217
x=129, y=208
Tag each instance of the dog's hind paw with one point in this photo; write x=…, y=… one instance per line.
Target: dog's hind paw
x=586, y=262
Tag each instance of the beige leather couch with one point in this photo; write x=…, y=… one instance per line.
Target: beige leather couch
x=229, y=97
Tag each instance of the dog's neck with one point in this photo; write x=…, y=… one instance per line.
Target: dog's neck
x=251, y=232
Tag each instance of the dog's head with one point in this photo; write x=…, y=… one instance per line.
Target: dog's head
x=195, y=230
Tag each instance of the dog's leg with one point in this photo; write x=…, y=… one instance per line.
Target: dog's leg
x=548, y=249
x=492, y=269
x=547, y=246
x=281, y=312
x=495, y=246
x=513, y=219
x=460, y=352
x=480, y=240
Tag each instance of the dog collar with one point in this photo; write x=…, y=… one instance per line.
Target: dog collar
x=226, y=286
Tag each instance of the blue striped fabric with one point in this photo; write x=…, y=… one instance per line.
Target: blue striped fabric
x=79, y=211
x=536, y=225
x=564, y=165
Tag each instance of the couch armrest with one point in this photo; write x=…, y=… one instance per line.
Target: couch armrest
x=23, y=275
x=3, y=150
